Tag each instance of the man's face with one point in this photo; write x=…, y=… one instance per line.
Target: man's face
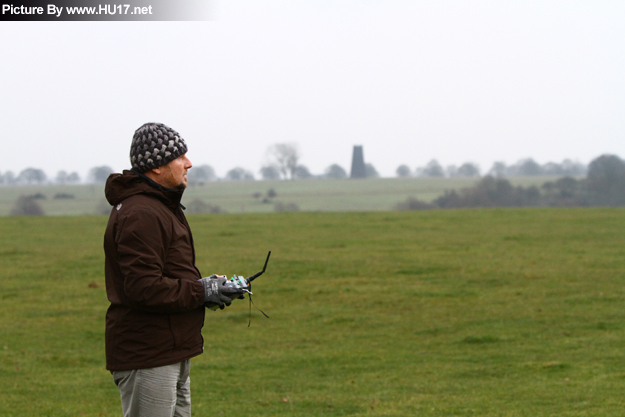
x=174, y=174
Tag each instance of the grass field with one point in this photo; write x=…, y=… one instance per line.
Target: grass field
x=380, y=194
x=511, y=312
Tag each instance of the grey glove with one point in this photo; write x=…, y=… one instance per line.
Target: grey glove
x=217, y=293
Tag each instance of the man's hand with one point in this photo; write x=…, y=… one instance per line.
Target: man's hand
x=217, y=293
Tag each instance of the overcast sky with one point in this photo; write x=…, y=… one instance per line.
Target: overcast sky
x=458, y=81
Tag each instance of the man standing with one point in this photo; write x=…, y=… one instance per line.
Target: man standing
x=157, y=294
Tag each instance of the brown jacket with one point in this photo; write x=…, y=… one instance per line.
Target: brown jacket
x=157, y=303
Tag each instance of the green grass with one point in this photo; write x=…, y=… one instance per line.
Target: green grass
x=380, y=194
x=511, y=312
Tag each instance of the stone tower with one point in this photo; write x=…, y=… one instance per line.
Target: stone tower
x=358, y=164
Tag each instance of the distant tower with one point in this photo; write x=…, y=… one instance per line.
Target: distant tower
x=358, y=164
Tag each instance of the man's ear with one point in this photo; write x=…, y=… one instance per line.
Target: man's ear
x=153, y=173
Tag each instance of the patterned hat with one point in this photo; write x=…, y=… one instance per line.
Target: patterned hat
x=155, y=145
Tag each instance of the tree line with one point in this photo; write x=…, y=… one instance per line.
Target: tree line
x=284, y=163
x=522, y=168
x=604, y=185
x=31, y=176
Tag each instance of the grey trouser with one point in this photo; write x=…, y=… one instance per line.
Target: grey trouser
x=156, y=392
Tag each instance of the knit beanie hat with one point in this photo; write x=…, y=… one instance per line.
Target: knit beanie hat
x=155, y=145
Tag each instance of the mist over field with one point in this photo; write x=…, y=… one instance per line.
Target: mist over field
x=457, y=82
x=287, y=185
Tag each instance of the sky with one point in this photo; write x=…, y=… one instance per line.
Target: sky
x=411, y=81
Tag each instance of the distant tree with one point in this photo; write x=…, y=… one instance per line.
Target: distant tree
x=490, y=192
x=271, y=193
x=498, y=170
x=335, y=171
x=270, y=172
x=61, y=177
x=573, y=169
x=99, y=175
x=10, y=178
x=201, y=174
x=566, y=187
x=73, y=178
x=26, y=206
x=239, y=174
x=286, y=157
x=566, y=168
x=525, y=168
x=403, y=171
x=301, y=173
x=371, y=171
x=432, y=169
x=606, y=168
x=468, y=170
x=565, y=191
x=31, y=176
x=606, y=180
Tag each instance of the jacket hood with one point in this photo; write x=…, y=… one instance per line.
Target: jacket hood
x=121, y=186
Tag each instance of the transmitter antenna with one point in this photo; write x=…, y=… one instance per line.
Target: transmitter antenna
x=256, y=275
